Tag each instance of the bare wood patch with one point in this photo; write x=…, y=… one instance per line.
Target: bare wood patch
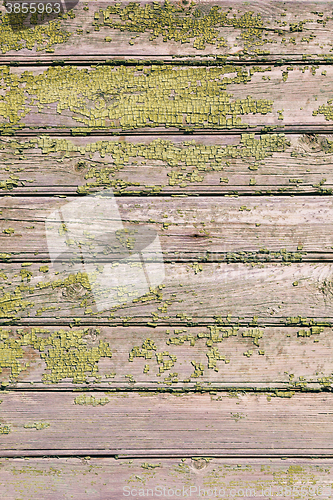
x=250, y=230
x=168, y=425
x=92, y=478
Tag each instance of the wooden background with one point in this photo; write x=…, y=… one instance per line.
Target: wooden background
x=212, y=124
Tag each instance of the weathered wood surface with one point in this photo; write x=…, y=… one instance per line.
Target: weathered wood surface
x=267, y=293
x=246, y=302
x=256, y=28
x=225, y=358
x=265, y=229
x=106, y=478
x=143, y=425
x=173, y=164
x=166, y=98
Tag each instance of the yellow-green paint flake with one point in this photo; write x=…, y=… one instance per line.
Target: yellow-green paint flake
x=213, y=356
x=65, y=354
x=197, y=267
x=183, y=161
x=37, y=425
x=44, y=269
x=5, y=429
x=140, y=96
x=313, y=330
x=253, y=333
x=192, y=24
x=84, y=399
x=148, y=466
x=13, y=36
x=198, y=369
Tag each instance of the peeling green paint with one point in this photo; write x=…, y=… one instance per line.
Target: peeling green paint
x=65, y=354
x=142, y=97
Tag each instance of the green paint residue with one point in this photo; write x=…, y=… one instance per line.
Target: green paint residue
x=41, y=37
x=327, y=111
x=5, y=429
x=187, y=162
x=8, y=184
x=183, y=24
x=12, y=303
x=84, y=399
x=37, y=425
x=264, y=255
x=147, y=466
x=196, y=267
x=127, y=97
x=65, y=353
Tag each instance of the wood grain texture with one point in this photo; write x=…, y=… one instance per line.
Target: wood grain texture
x=166, y=98
x=222, y=28
x=150, y=165
x=135, y=425
x=267, y=293
x=219, y=358
x=108, y=479
x=265, y=229
x=230, y=353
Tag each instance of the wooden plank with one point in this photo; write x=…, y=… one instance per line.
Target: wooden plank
x=190, y=229
x=165, y=97
x=231, y=28
x=135, y=425
x=95, y=478
x=264, y=294
x=203, y=164
x=218, y=358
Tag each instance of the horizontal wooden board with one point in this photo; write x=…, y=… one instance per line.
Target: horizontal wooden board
x=267, y=294
x=135, y=425
x=169, y=165
x=252, y=230
x=165, y=98
x=100, y=478
x=249, y=358
x=211, y=27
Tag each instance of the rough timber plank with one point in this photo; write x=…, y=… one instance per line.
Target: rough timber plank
x=190, y=229
x=268, y=294
x=165, y=98
x=135, y=425
x=174, y=164
x=106, y=478
x=273, y=359
x=234, y=28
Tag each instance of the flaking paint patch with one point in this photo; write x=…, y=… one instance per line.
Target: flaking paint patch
x=84, y=399
x=14, y=37
x=195, y=24
x=128, y=98
x=185, y=163
x=65, y=353
x=37, y=425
